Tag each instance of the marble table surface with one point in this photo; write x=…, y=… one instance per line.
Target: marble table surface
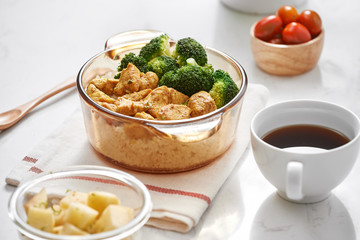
x=45, y=42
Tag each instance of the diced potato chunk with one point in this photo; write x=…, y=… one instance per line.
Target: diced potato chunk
x=69, y=229
x=38, y=200
x=40, y=218
x=57, y=229
x=59, y=214
x=114, y=216
x=99, y=200
x=80, y=215
x=79, y=197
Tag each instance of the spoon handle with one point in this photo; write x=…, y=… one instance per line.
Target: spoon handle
x=9, y=118
x=68, y=83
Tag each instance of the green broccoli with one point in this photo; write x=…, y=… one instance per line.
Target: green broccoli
x=189, y=48
x=162, y=64
x=189, y=79
x=191, y=61
x=156, y=47
x=138, y=61
x=224, y=88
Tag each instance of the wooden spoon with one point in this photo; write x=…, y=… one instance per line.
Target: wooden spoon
x=9, y=118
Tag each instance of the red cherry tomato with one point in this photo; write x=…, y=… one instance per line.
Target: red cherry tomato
x=277, y=39
x=311, y=20
x=287, y=14
x=268, y=27
x=295, y=33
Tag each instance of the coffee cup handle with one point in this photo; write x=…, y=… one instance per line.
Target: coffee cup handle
x=294, y=175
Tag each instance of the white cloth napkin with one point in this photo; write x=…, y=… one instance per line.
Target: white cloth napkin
x=180, y=199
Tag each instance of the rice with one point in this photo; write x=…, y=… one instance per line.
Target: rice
x=139, y=147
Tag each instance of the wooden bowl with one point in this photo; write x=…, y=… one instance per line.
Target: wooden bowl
x=286, y=59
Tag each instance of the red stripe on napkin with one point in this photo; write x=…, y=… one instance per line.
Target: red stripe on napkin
x=108, y=181
x=150, y=187
x=30, y=159
x=35, y=170
x=100, y=180
x=179, y=192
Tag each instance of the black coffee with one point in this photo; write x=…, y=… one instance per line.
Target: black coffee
x=305, y=136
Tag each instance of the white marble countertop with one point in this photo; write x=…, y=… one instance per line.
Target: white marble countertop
x=44, y=42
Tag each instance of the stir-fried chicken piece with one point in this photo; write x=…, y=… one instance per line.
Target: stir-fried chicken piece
x=148, y=80
x=125, y=106
x=162, y=96
x=201, y=103
x=129, y=107
x=131, y=80
x=173, y=112
x=106, y=85
x=158, y=97
x=144, y=115
x=137, y=96
x=97, y=95
x=111, y=106
x=177, y=97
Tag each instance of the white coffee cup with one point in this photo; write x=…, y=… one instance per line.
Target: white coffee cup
x=305, y=174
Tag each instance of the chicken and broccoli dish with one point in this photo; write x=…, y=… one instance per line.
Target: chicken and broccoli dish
x=164, y=84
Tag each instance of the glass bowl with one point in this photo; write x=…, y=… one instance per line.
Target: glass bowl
x=131, y=191
x=152, y=145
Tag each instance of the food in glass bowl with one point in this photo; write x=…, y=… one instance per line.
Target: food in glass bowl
x=160, y=145
x=164, y=84
x=77, y=213
x=90, y=202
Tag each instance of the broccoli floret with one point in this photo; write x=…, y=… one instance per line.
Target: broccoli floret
x=189, y=48
x=156, y=47
x=162, y=64
x=224, y=88
x=191, y=61
x=189, y=79
x=138, y=61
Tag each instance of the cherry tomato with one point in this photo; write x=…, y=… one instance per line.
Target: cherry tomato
x=287, y=14
x=295, y=33
x=277, y=39
x=268, y=27
x=311, y=20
